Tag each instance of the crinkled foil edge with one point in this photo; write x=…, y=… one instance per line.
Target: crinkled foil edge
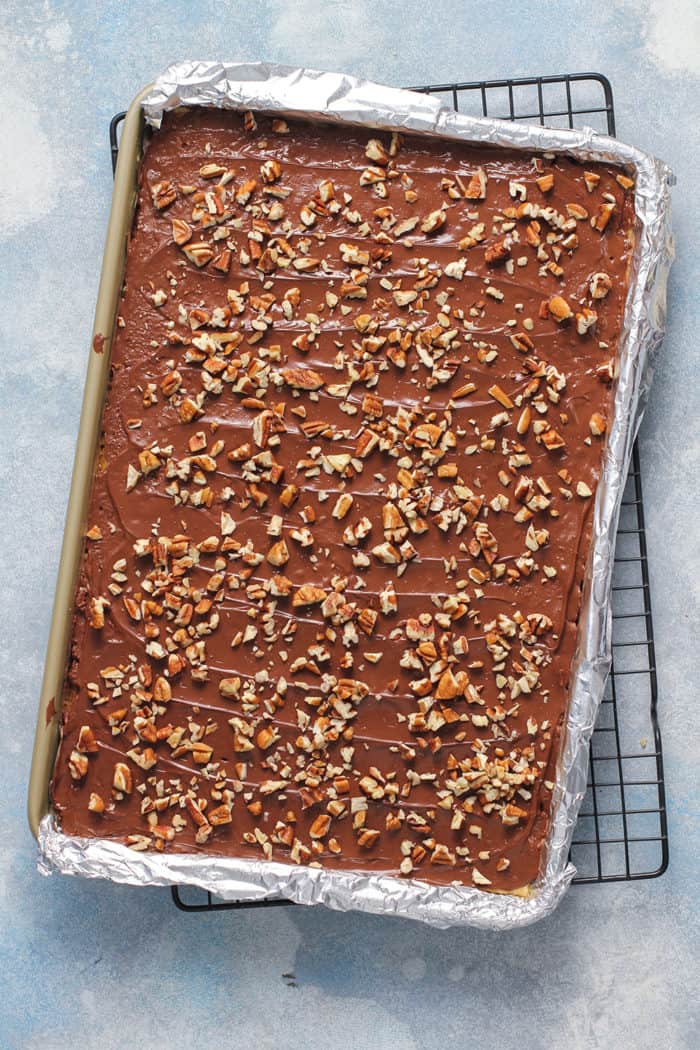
x=340, y=98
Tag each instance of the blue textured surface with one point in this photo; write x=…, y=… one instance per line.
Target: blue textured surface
x=96, y=965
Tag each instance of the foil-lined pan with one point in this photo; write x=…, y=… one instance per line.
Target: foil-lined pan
x=341, y=99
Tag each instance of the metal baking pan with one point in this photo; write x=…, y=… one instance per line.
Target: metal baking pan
x=123, y=203
x=325, y=97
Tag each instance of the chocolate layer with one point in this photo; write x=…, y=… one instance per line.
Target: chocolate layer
x=359, y=397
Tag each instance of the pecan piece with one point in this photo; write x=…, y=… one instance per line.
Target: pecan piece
x=600, y=284
x=278, y=554
x=559, y=309
x=87, y=744
x=122, y=779
x=434, y=221
x=199, y=254
x=375, y=151
x=585, y=320
x=497, y=252
x=320, y=827
x=307, y=594
x=476, y=188
x=220, y=815
x=597, y=424
x=96, y=612
x=602, y=218
x=77, y=765
x=266, y=737
x=96, y=803
x=163, y=194
x=270, y=171
x=302, y=378
x=342, y=505
x=182, y=232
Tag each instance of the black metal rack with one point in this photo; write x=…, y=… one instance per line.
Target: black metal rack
x=622, y=832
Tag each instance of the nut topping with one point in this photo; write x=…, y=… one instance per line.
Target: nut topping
x=354, y=427
x=559, y=309
x=600, y=285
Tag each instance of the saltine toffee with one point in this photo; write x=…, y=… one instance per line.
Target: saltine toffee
x=360, y=389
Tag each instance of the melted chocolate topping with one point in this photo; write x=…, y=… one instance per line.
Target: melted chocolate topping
x=342, y=511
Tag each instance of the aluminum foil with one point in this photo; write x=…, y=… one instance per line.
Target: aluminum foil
x=339, y=98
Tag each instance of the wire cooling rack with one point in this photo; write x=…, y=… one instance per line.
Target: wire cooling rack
x=622, y=832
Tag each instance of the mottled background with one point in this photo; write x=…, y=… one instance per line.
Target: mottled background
x=95, y=965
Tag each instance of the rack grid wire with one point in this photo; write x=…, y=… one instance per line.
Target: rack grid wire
x=622, y=832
